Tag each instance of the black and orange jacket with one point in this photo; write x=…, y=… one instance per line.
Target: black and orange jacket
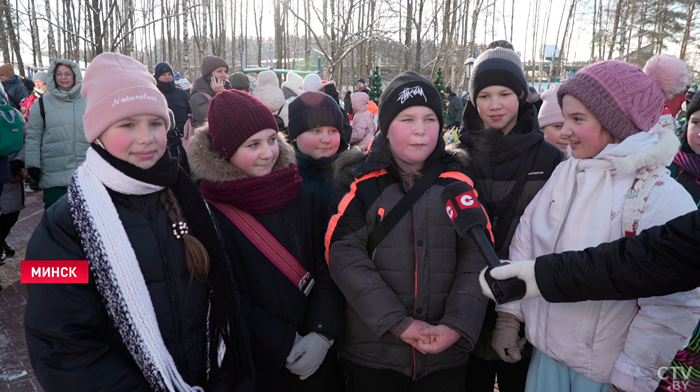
x=421, y=269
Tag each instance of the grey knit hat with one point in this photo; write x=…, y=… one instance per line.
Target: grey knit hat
x=498, y=67
x=211, y=63
x=239, y=81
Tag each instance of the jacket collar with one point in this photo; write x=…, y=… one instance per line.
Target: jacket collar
x=502, y=148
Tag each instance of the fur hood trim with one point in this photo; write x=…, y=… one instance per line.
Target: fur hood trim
x=665, y=149
x=355, y=155
x=208, y=165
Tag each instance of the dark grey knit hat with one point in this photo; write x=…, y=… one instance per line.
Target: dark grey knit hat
x=310, y=110
x=211, y=63
x=406, y=90
x=498, y=67
x=239, y=81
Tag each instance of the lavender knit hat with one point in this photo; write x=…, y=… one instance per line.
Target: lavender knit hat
x=622, y=97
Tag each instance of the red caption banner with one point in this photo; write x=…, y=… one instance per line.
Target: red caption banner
x=54, y=271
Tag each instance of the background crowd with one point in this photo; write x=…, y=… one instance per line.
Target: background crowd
x=250, y=235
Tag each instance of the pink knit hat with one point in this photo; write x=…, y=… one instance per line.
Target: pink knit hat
x=110, y=100
x=622, y=97
x=550, y=112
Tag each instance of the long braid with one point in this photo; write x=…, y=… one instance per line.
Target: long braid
x=196, y=254
x=225, y=322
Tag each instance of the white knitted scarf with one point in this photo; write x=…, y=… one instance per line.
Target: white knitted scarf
x=116, y=268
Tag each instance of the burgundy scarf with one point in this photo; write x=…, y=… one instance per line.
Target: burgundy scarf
x=256, y=195
x=689, y=162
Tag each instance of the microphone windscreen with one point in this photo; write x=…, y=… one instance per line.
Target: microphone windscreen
x=462, y=207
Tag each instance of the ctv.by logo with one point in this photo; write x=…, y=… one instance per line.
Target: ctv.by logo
x=677, y=383
x=450, y=209
x=467, y=200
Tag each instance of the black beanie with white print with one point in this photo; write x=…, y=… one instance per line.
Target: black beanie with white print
x=406, y=90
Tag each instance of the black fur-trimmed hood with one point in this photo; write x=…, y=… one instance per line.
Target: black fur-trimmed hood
x=208, y=165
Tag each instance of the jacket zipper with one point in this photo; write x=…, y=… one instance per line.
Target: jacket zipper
x=415, y=266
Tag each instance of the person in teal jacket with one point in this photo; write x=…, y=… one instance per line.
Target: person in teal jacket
x=55, y=144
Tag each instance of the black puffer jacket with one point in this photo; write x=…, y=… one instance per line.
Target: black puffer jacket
x=497, y=159
x=659, y=261
x=178, y=102
x=421, y=269
x=16, y=91
x=281, y=309
x=73, y=343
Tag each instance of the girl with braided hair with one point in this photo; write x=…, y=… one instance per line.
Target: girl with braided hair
x=160, y=311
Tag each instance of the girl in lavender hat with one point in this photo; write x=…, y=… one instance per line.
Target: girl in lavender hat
x=616, y=184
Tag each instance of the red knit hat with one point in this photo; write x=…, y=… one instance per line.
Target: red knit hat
x=234, y=116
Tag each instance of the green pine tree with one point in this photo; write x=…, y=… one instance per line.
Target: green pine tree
x=439, y=84
x=375, y=86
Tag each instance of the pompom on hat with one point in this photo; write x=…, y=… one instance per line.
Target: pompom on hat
x=624, y=98
x=107, y=102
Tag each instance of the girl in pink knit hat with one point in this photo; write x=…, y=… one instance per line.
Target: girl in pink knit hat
x=615, y=185
x=551, y=120
x=160, y=311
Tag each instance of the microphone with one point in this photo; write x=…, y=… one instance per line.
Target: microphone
x=469, y=219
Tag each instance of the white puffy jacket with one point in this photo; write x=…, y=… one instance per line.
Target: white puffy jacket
x=623, y=342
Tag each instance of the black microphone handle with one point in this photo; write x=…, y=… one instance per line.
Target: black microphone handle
x=477, y=234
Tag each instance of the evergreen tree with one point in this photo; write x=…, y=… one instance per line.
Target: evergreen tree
x=439, y=84
x=375, y=86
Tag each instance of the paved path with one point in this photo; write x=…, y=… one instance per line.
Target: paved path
x=16, y=374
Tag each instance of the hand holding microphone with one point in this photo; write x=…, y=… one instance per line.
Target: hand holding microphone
x=469, y=219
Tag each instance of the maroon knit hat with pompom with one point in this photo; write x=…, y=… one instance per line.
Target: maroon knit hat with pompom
x=622, y=97
x=234, y=116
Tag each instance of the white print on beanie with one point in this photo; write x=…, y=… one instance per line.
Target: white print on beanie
x=117, y=101
x=410, y=92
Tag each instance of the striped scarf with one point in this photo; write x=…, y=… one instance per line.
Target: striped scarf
x=118, y=275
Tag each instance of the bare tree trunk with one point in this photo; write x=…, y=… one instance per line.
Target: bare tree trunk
x=234, y=54
x=258, y=15
x=595, y=5
x=3, y=38
x=686, y=31
x=52, y=43
x=564, y=38
x=186, y=42
x=34, y=30
x=14, y=41
x=616, y=26
x=418, y=24
x=407, y=41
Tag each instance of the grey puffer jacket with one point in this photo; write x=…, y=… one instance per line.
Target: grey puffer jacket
x=422, y=269
x=56, y=143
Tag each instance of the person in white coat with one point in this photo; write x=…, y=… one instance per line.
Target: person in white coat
x=269, y=92
x=615, y=185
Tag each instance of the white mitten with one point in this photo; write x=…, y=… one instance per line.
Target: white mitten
x=506, y=339
x=308, y=354
x=524, y=269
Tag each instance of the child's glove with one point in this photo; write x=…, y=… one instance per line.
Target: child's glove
x=308, y=354
x=506, y=339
